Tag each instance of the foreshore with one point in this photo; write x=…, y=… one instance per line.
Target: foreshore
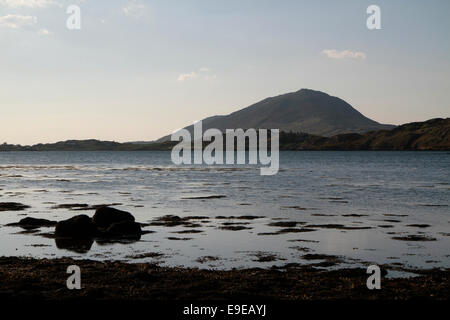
x=45, y=279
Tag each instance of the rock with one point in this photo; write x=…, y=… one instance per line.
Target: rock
x=32, y=223
x=106, y=216
x=124, y=229
x=76, y=227
x=107, y=223
x=12, y=206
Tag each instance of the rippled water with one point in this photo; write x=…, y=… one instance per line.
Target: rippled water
x=385, y=192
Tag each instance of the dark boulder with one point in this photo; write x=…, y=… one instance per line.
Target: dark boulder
x=33, y=223
x=76, y=227
x=124, y=229
x=106, y=216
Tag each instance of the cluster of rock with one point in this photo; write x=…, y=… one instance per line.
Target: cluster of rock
x=107, y=222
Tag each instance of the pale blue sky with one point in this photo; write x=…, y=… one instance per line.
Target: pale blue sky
x=137, y=70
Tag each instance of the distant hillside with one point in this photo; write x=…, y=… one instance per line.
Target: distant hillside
x=433, y=134
x=307, y=111
x=88, y=145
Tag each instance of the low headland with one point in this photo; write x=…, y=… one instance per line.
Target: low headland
x=431, y=135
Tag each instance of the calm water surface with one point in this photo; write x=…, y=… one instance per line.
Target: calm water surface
x=390, y=192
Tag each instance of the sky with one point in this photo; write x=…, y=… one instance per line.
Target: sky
x=140, y=69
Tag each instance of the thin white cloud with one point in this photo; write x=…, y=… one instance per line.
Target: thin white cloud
x=203, y=73
x=14, y=21
x=187, y=76
x=135, y=9
x=28, y=3
x=345, y=54
x=44, y=32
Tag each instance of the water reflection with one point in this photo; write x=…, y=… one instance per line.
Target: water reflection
x=84, y=245
x=74, y=245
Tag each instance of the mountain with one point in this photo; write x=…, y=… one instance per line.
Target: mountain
x=306, y=110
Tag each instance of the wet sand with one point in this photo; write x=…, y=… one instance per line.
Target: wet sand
x=23, y=278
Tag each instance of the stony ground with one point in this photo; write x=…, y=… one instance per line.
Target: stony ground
x=22, y=278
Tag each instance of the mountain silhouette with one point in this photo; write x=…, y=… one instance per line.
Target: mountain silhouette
x=306, y=110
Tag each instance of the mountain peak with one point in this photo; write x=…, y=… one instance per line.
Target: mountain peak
x=311, y=91
x=306, y=110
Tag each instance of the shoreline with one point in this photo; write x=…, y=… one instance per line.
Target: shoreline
x=45, y=279
x=429, y=135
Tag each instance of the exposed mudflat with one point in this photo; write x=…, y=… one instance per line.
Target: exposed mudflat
x=12, y=206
